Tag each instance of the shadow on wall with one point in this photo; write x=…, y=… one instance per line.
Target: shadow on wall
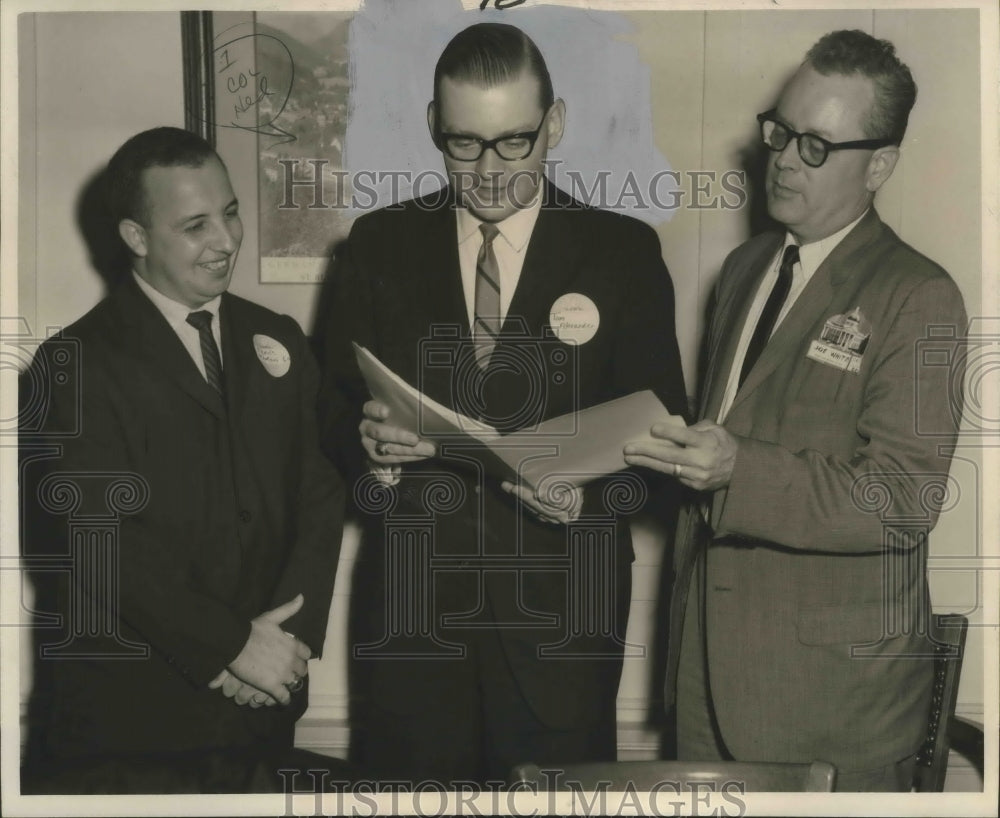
x=108, y=255
x=752, y=159
x=323, y=304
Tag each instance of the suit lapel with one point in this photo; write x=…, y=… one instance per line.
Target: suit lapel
x=552, y=261
x=732, y=316
x=236, y=345
x=156, y=341
x=811, y=305
x=437, y=278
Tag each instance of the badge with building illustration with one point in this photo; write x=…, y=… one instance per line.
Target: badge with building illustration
x=843, y=341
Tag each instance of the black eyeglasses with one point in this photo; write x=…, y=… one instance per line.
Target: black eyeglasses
x=813, y=149
x=512, y=147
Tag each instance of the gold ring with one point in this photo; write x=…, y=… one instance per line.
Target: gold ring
x=382, y=448
x=296, y=684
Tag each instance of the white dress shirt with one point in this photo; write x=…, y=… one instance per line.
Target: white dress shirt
x=811, y=256
x=176, y=315
x=509, y=247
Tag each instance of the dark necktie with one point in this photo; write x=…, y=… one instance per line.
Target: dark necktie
x=202, y=321
x=769, y=315
x=486, y=326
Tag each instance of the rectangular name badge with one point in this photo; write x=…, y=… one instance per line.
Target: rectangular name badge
x=835, y=357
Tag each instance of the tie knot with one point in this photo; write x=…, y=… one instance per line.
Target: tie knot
x=200, y=320
x=489, y=231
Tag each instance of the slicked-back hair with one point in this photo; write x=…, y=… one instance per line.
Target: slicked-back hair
x=855, y=52
x=157, y=147
x=489, y=54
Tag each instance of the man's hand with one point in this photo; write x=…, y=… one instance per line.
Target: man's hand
x=240, y=692
x=701, y=456
x=557, y=505
x=389, y=445
x=272, y=660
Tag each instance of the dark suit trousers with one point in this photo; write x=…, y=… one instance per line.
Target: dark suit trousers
x=267, y=769
x=478, y=731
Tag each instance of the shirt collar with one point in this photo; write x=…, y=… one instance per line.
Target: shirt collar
x=516, y=229
x=175, y=312
x=812, y=255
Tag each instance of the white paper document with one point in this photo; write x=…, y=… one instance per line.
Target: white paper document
x=573, y=449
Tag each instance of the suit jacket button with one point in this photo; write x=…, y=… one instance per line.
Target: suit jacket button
x=245, y=516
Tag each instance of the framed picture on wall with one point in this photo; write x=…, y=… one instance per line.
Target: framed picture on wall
x=285, y=77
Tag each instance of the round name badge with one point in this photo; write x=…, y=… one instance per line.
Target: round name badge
x=574, y=318
x=272, y=355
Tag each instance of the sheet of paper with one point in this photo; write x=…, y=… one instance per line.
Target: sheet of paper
x=574, y=448
x=412, y=410
x=593, y=449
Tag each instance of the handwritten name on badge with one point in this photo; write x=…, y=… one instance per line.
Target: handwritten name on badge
x=837, y=358
x=272, y=355
x=574, y=318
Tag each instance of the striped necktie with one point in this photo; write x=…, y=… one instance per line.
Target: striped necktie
x=769, y=315
x=486, y=326
x=202, y=321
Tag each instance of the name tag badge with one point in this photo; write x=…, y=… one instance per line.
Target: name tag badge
x=272, y=355
x=574, y=318
x=843, y=341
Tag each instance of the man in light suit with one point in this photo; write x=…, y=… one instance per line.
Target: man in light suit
x=807, y=609
x=459, y=293
x=194, y=428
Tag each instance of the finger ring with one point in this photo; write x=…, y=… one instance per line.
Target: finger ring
x=296, y=684
x=677, y=469
x=258, y=698
x=381, y=448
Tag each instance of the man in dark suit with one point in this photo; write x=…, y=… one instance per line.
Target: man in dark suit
x=501, y=297
x=194, y=438
x=802, y=569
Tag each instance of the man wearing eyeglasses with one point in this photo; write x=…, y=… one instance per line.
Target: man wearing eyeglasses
x=801, y=611
x=461, y=293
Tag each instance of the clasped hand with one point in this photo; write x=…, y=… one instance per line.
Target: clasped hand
x=271, y=661
x=554, y=503
x=701, y=456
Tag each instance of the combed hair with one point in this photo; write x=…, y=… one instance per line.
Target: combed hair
x=489, y=54
x=157, y=147
x=855, y=52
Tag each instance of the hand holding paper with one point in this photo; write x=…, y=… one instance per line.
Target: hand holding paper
x=387, y=444
x=704, y=453
x=401, y=423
